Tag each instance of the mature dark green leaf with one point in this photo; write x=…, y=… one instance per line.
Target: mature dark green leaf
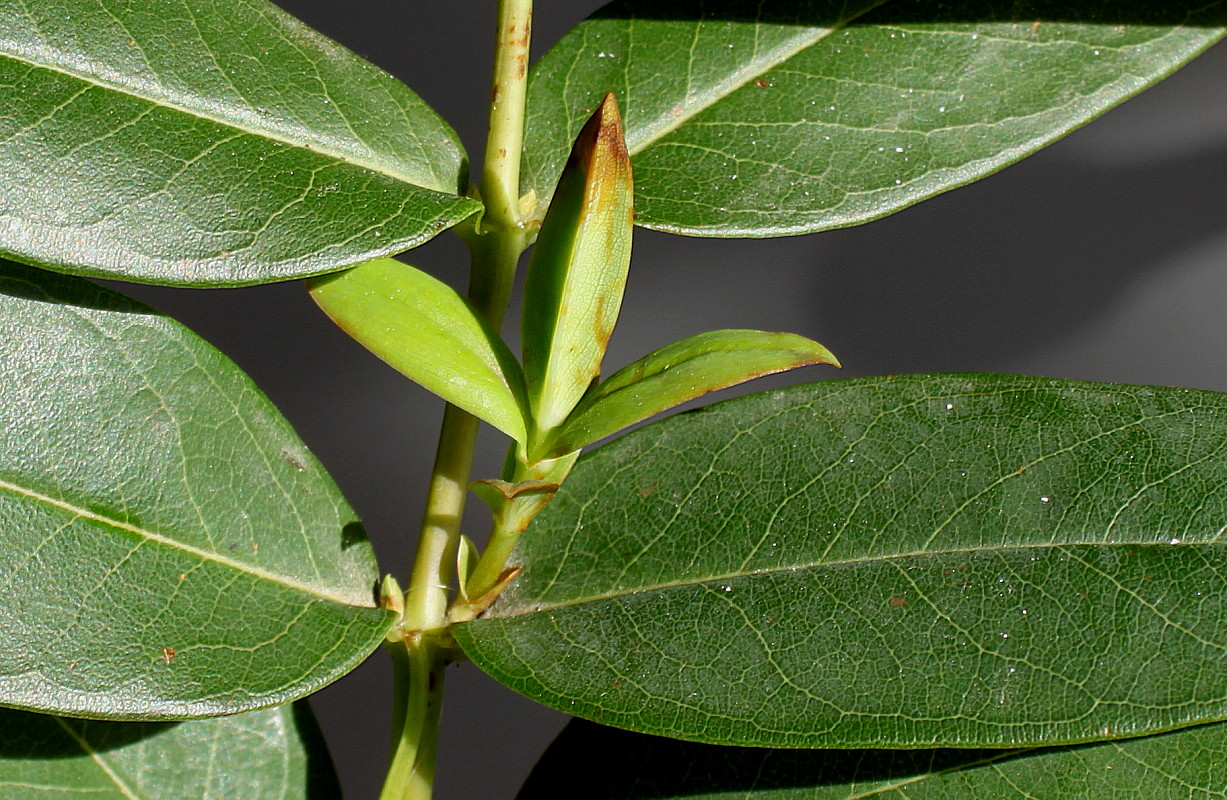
x=208, y=142
x=919, y=561
x=751, y=118
x=168, y=547
x=617, y=765
x=276, y=754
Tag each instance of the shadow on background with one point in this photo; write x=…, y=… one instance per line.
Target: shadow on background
x=1012, y=264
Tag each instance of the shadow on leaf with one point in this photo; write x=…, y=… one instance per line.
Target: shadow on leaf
x=612, y=764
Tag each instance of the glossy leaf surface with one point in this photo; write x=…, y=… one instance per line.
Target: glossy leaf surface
x=201, y=142
x=619, y=765
x=276, y=754
x=425, y=330
x=573, y=291
x=169, y=547
x=683, y=371
x=914, y=561
x=752, y=118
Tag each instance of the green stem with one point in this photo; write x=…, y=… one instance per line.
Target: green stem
x=500, y=175
x=427, y=597
x=418, y=664
x=422, y=656
x=510, y=520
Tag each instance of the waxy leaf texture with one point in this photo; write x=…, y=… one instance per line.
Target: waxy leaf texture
x=751, y=118
x=168, y=546
x=276, y=754
x=619, y=765
x=202, y=142
x=925, y=561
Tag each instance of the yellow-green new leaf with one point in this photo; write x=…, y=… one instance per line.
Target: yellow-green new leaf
x=683, y=371
x=578, y=270
x=425, y=330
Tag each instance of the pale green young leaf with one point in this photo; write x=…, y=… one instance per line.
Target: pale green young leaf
x=425, y=330
x=683, y=371
x=276, y=754
x=169, y=548
x=577, y=275
x=919, y=561
x=619, y=765
x=751, y=118
x=208, y=143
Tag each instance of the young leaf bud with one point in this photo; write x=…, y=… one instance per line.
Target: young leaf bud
x=578, y=271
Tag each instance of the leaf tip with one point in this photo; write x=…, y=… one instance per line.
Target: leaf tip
x=601, y=143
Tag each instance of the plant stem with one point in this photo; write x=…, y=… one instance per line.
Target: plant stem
x=500, y=175
x=510, y=522
x=427, y=597
x=495, y=251
x=418, y=664
x=420, y=659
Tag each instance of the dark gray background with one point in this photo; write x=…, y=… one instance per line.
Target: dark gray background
x=1102, y=258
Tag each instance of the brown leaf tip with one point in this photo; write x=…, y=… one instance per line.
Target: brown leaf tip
x=602, y=134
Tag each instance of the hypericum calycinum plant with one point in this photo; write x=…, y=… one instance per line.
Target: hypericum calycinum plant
x=934, y=586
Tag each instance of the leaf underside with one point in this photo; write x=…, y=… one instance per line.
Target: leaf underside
x=891, y=562
x=422, y=328
x=618, y=765
x=774, y=118
x=168, y=546
x=201, y=142
x=276, y=753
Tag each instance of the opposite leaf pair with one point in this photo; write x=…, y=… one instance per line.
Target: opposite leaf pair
x=554, y=405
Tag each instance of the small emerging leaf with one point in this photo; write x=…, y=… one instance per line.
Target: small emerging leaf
x=683, y=371
x=391, y=596
x=578, y=270
x=425, y=330
x=467, y=557
x=277, y=753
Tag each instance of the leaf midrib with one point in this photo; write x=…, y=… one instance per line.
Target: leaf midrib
x=9, y=51
x=915, y=779
x=666, y=124
x=106, y=769
x=525, y=608
x=216, y=558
